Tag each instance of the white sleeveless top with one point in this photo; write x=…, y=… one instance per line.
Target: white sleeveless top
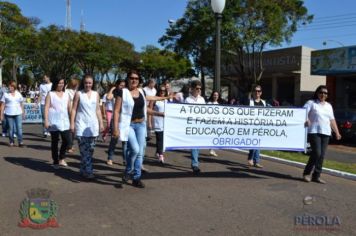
x=86, y=120
x=58, y=117
x=126, y=113
x=158, y=121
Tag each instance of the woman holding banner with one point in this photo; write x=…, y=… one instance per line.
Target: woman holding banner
x=320, y=122
x=215, y=98
x=56, y=116
x=129, y=124
x=195, y=98
x=254, y=154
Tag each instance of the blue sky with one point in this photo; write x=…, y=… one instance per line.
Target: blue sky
x=142, y=22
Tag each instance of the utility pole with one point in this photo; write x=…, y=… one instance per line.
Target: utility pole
x=68, y=15
x=82, y=24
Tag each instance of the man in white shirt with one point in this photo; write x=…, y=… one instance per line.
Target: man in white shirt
x=195, y=98
x=45, y=87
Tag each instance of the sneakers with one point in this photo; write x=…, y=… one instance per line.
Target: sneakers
x=195, y=169
x=15, y=136
x=109, y=162
x=3, y=135
x=306, y=178
x=249, y=162
x=63, y=163
x=126, y=178
x=137, y=183
x=161, y=159
x=318, y=180
x=11, y=144
x=213, y=153
x=257, y=165
x=88, y=176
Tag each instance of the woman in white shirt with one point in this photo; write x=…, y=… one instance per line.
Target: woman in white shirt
x=57, y=110
x=12, y=110
x=71, y=89
x=158, y=123
x=320, y=122
x=86, y=122
x=215, y=98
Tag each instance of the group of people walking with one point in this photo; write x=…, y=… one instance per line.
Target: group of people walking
x=70, y=111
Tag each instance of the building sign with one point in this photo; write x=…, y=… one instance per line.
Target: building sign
x=334, y=61
x=205, y=126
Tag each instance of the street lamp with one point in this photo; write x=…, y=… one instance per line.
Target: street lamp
x=335, y=41
x=218, y=7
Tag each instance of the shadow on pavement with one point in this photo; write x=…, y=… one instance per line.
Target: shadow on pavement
x=38, y=147
x=65, y=173
x=266, y=173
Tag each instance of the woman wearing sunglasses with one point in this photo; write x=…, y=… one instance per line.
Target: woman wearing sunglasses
x=129, y=124
x=320, y=122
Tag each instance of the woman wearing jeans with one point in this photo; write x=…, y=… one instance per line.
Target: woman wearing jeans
x=13, y=111
x=86, y=122
x=129, y=125
x=320, y=122
x=57, y=110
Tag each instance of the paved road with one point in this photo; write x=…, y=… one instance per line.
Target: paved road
x=227, y=198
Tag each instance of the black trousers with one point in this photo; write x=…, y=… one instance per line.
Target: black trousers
x=65, y=136
x=318, y=143
x=159, y=142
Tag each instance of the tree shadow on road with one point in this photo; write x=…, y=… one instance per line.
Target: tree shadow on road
x=261, y=172
x=190, y=174
x=38, y=147
x=65, y=173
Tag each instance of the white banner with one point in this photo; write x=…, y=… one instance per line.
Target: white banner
x=32, y=113
x=209, y=126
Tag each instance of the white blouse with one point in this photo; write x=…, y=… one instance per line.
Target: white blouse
x=86, y=120
x=12, y=103
x=58, y=116
x=319, y=116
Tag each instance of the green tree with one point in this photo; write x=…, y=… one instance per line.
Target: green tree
x=192, y=36
x=163, y=64
x=15, y=32
x=248, y=26
x=54, y=52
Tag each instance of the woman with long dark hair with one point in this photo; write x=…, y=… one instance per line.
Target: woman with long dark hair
x=129, y=124
x=320, y=122
x=56, y=117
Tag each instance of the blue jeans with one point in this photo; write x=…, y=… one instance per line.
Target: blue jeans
x=111, y=149
x=254, y=155
x=4, y=126
x=136, y=144
x=319, y=144
x=43, y=121
x=195, y=157
x=15, y=125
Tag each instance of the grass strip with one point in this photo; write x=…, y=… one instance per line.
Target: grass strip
x=300, y=157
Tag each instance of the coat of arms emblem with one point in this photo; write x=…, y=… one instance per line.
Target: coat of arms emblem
x=38, y=211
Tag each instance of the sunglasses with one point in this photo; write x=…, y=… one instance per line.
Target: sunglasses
x=258, y=91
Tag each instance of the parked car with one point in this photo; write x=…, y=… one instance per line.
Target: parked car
x=346, y=122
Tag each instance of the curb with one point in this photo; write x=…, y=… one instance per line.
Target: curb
x=333, y=172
